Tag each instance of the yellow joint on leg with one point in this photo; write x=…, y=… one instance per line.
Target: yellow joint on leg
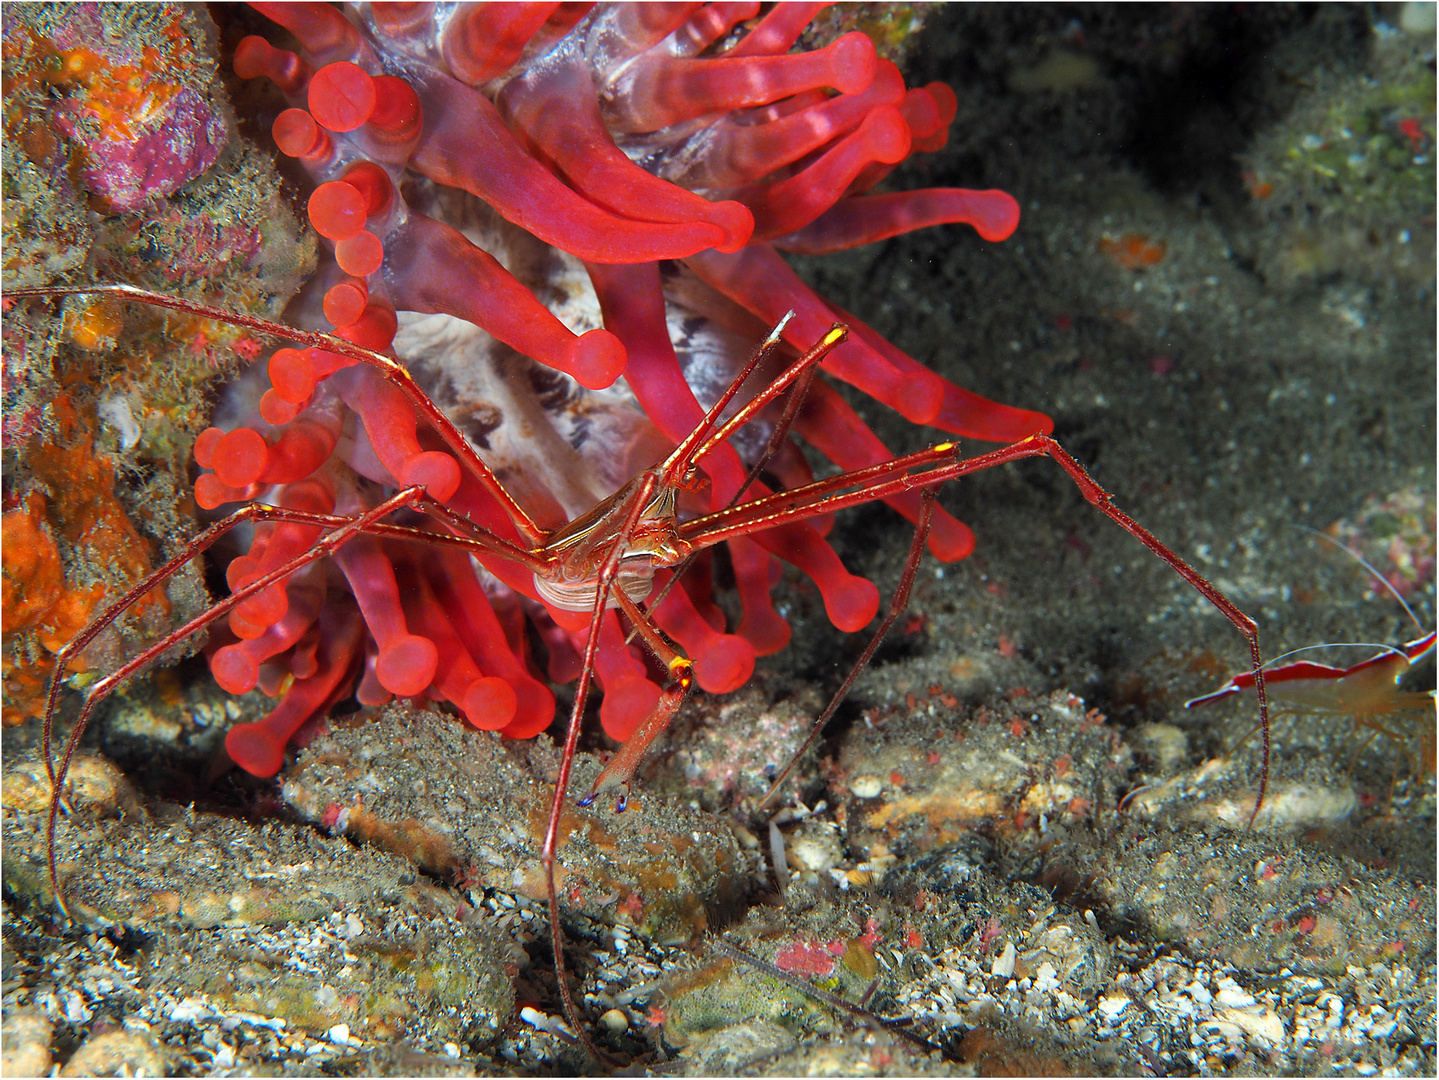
x=943, y=447
x=835, y=334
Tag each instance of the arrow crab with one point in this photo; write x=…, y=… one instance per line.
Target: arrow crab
x=605, y=560
x=363, y=580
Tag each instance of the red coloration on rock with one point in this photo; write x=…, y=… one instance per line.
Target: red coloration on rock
x=1413, y=130
x=540, y=112
x=128, y=172
x=137, y=112
x=805, y=958
x=989, y=932
x=871, y=936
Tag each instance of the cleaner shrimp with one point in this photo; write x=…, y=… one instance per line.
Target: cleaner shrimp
x=1368, y=693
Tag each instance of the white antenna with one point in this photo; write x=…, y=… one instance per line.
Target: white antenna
x=1362, y=561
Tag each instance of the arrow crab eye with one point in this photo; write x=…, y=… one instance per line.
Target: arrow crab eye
x=694, y=480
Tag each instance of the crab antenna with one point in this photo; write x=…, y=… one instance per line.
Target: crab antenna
x=836, y=336
x=685, y=451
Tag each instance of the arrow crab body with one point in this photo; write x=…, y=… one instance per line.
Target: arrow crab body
x=429, y=137
x=608, y=558
x=388, y=557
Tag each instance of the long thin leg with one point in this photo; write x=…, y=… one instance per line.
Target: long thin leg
x=751, y=408
x=72, y=648
x=938, y=465
x=694, y=445
x=326, y=545
x=705, y=437
x=799, y=388
x=619, y=770
x=341, y=530
x=472, y=538
x=895, y=1027
x=898, y=602
x=776, y=436
x=390, y=368
x=639, y=500
x=832, y=493
x=701, y=441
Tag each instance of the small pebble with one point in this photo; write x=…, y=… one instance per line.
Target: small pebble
x=1003, y=965
x=1111, y=1005
x=25, y=1048
x=117, y=1053
x=866, y=787
x=615, y=1021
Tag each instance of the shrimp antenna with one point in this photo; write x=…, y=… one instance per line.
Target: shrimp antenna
x=1334, y=645
x=1362, y=561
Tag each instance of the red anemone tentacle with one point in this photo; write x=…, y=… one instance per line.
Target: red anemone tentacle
x=468, y=146
x=623, y=135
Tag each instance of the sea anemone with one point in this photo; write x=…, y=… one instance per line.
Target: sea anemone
x=566, y=220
